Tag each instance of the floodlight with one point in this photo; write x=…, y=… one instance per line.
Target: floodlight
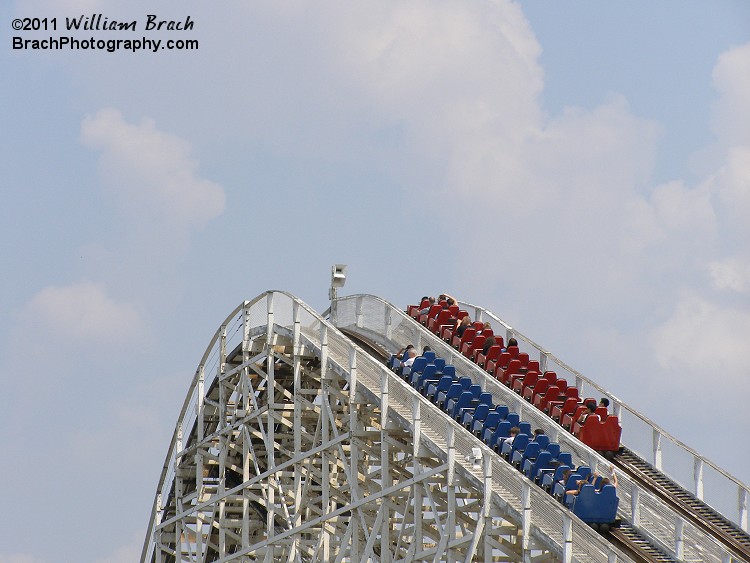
x=475, y=458
x=338, y=275
x=338, y=279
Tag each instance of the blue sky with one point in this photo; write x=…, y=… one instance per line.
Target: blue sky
x=580, y=168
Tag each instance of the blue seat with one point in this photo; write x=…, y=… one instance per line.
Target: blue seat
x=430, y=356
x=465, y=382
x=531, y=450
x=490, y=423
x=554, y=449
x=519, y=443
x=524, y=427
x=596, y=507
x=485, y=398
x=464, y=401
x=503, y=410
x=542, y=440
x=532, y=468
x=429, y=371
x=428, y=375
x=441, y=385
x=494, y=438
x=393, y=362
x=571, y=483
x=471, y=415
x=453, y=391
x=513, y=418
x=449, y=369
x=549, y=478
x=566, y=458
x=439, y=363
x=418, y=365
x=475, y=390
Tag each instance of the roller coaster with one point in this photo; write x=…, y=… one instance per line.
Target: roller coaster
x=297, y=443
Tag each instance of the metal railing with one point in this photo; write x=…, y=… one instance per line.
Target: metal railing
x=380, y=321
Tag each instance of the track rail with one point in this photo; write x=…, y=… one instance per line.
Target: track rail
x=734, y=539
x=632, y=543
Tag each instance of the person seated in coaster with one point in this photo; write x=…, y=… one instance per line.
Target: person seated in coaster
x=406, y=364
x=590, y=409
x=604, y=402
x=462, y=326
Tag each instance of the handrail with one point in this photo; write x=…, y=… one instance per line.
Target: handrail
x=657, y=455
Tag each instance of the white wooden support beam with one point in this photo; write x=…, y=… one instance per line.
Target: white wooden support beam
x=635, y=507
x=567, y=538
x=679, y=538
x=526, y=516
x=698, y=477
x=385, y=467
x=656, y=446
x=742, y=505
x=359, y=312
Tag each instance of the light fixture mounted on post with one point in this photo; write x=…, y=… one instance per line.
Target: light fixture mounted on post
x=338, y=279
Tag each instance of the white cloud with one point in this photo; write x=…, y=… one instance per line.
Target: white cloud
x=152, y=173
x=80, y=313
x=704, y=340
x=731, y=78
x=732, y=274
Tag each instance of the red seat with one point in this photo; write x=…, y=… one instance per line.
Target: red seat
x=562, y=385
x=540, y=387
x=467, y=349
x=550, y=376
x=533, y=365
x=443, y=318
x=542, y=397
x=479, y=325
x=601, y=436
x=519, y=382
x=504, y=375
x=433, y=312
x=602, y=412
x=513, y=351
x=447, y=332
x=515, y=377
x=454, y=310
x=560, y=409
x=542, y=400
x=414, y=310
x=467, y=336
x=492, y=354
x=502, y=361
x=524, y=358
x=591, y=421
x=568, y=419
